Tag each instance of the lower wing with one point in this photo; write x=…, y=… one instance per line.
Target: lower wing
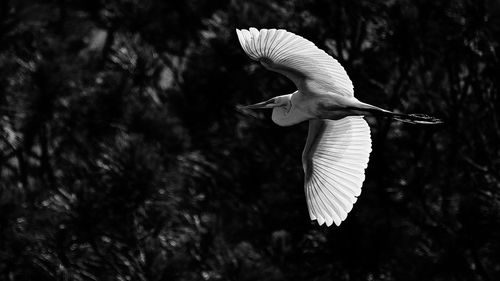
x=335, y=158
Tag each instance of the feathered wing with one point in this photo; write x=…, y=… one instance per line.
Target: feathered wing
x=295, y=57
x=335, y=158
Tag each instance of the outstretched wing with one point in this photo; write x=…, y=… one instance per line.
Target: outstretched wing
x=335, y=158
x=296, y=58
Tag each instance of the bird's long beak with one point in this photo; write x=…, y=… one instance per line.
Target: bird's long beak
x=265, y=104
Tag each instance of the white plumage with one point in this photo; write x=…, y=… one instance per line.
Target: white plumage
x=338, y=144
x=295, y=57
x=335, y=158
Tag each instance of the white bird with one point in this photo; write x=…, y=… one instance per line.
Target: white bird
x=338, y=143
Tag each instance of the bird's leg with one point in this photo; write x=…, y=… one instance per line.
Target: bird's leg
x=340, y=107
x=408, y=118
x=337, y=107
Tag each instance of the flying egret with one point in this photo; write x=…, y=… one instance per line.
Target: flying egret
x=338, y=143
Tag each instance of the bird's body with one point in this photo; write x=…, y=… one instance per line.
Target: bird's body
x=338, y=143
x=302, y=107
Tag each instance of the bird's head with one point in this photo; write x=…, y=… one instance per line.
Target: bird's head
x=280, y=101
x=283, y=110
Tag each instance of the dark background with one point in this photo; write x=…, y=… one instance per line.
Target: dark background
x=123, y=156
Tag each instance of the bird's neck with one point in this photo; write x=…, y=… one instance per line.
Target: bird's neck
x=291, y=114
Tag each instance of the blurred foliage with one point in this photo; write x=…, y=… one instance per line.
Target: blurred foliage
x=123, y=156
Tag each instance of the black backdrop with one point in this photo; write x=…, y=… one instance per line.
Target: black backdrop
x=123, y=156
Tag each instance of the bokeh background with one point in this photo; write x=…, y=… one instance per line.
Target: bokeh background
x=123, y=156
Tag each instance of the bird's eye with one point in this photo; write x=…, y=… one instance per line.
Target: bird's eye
x=271, y=101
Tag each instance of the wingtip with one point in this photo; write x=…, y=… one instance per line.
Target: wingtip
x=322, y=221
x=240, y=30
x=241, y=39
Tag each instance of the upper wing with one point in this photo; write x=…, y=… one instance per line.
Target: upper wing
x=335, y=158
x=296, y=58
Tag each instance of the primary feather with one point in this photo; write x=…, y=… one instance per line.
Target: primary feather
x=296, y=58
